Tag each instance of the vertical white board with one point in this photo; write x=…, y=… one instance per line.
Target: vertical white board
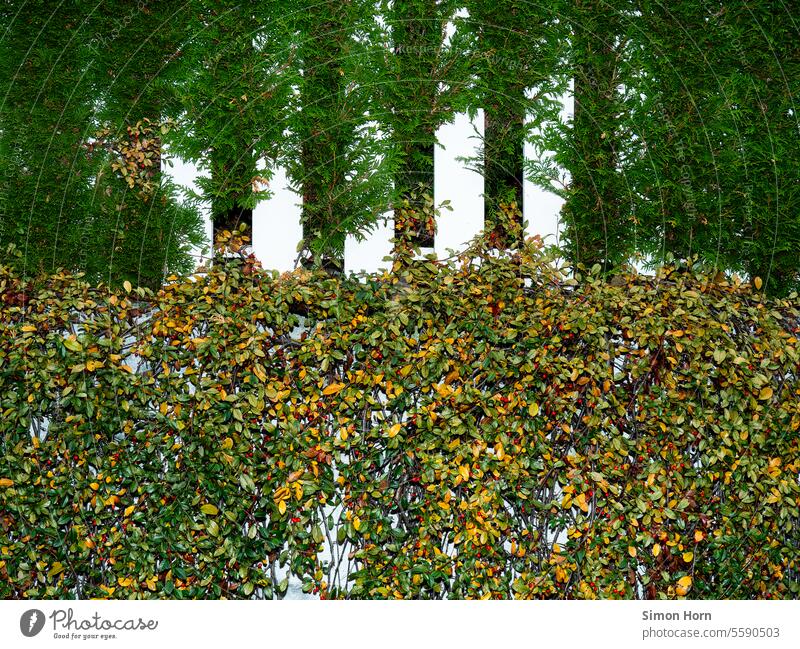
x=276, y=225
x=463, y=187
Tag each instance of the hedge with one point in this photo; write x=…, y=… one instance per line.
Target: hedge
x=489, y=426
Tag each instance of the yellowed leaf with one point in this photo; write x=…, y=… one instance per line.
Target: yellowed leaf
x=209, y=509
x=333, y=388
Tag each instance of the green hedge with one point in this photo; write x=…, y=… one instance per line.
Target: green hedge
x=482, y=428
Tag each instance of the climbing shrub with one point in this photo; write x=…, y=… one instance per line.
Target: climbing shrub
x=490, y=426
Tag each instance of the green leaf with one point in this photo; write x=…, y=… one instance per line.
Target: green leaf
x=72, y=345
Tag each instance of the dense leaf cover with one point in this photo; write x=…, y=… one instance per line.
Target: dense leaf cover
x=486, y=427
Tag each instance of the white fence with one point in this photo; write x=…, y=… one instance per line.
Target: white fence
x=276, y=222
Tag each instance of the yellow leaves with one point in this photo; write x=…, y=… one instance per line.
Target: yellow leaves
x=151, y=583
x=94, y=486
x=6, y=482
x=125, y=582
x=684, y=584
x=758, y=283
x=280, y=497
x=499, y=451
x=656, y=549
x=127, y=285
x=209, y=509
x=393, y=430
x=28, y=328
x=774, y=467
x=632, y=551
x=89, y=543
x=698, y=536
x=227, y=443
x=533, y=409
x=463, y=471
x=766, y=393
x=109, y=590
x=405, y=370
x=55, y=569
x=333, y=388
x=569, y=500
x=163, y=408
x=443, y=390
x=129, y=510
x=91, y=366
x=356, y=523
x=688, y=556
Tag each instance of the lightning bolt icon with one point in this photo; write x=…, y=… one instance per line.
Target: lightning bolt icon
x=33, y=620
